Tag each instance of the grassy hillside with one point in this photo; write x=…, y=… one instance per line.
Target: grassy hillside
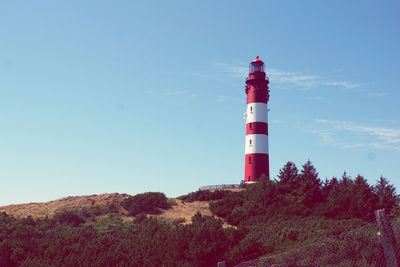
x=99, y=206
x=43, y=209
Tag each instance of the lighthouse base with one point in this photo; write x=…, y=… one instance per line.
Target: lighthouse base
x=256, y=165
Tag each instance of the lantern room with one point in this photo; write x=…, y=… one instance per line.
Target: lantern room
x=256, y=71
x=256, y=65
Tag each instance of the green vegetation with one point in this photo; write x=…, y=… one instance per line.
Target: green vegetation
x=69, y=218
x=269, y=217
x=43, y=212
x=150, y=203
x=110, y=242
x=303, y=194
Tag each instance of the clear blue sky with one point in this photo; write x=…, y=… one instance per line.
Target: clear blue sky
x=135, y=96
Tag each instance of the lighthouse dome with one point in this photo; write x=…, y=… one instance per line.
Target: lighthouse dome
x=256, y=65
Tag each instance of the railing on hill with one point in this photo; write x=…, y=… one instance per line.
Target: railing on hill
x=219, y=187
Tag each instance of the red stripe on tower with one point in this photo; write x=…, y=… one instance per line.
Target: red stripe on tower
x=257, y=128
x=256, y=148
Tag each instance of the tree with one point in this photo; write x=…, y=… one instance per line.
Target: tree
x=288, y=178
x=363, y=200
x=330, y=186
x=386, y=193
x=309, y=191
x=339, y=197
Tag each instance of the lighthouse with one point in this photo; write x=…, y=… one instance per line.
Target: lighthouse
x=256, y=147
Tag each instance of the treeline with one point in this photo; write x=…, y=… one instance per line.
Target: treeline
x=302, y=193
x=268, y=217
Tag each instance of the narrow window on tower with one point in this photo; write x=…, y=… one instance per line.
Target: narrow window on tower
x=249, y=159
x=251, y=126
x=249, y=178
x=250, y=142
x=251, y=109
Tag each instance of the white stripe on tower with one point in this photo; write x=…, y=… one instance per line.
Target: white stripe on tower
x=256, y=144
x=257, y=112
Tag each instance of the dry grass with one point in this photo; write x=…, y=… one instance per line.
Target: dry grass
x=185, y=210
x=43, y=209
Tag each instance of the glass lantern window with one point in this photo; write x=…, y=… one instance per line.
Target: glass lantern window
x=256, y=66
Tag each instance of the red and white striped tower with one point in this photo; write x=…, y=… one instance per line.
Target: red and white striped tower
x=256, y=148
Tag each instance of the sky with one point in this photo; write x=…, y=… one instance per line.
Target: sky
x=136, y=96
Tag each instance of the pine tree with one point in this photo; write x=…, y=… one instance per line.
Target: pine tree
x=310, y=185
x=362, y=199
x=386, y=193
x=346, y=182
x=288, y=178
x=330, y=187
x=339, y=197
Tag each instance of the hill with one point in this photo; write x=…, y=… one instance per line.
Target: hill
x=102, y=204
x=43, y=209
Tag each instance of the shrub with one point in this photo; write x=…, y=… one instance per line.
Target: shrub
x=83, y=212
x=69, y=218
x=42, y=212
x=113, y=208
x=5, y=254
x=108, y=223
x=172, y=201
x=96, y=211
x=178, y=221
x=150, y=202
